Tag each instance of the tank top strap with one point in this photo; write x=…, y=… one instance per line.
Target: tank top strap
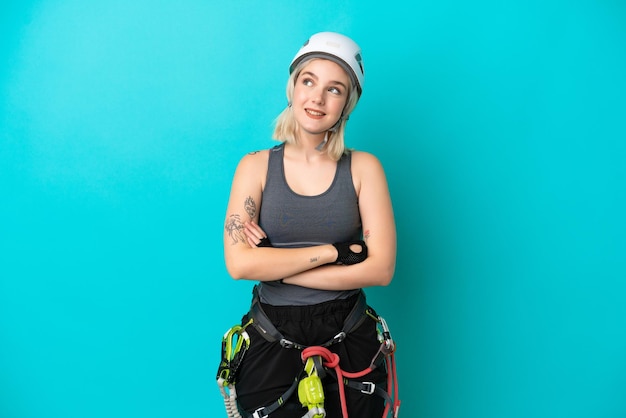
x=275, y=166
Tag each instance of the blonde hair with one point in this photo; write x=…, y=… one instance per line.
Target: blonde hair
x=286, y=127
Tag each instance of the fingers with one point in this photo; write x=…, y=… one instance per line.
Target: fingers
x=254, y=229
x=252, y=242
x=254, y=233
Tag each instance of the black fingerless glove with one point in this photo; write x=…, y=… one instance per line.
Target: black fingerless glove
x=346, y=256
x=265, y=242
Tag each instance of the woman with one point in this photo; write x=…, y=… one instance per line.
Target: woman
x=313, y=223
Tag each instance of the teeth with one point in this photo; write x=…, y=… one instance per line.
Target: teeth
x=313, y=112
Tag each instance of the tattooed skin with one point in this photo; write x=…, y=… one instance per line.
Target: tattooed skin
x=250, y=207
x=234, y=225
x=234, y=228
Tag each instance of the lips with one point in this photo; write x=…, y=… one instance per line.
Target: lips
x=316, y=114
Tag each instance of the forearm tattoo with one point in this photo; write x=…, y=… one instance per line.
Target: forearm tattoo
x=234, y=225
x=234, y=228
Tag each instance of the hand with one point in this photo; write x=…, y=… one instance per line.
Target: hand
x=351, y=252
x=255, y=235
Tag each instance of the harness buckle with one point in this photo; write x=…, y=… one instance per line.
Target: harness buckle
x=257, y=413
x=285, y=343
x=368, y=388
x=339, y=337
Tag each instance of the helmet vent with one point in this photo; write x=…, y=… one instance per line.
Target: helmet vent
x=359, y=60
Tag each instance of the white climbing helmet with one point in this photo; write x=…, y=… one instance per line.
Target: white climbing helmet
x=335, y=47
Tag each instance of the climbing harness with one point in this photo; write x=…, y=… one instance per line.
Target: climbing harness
x=318, y=361
x=264, y=325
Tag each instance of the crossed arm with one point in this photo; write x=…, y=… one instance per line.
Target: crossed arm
x=310, y=266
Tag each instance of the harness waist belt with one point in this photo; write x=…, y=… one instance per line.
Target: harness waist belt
x=264, y=325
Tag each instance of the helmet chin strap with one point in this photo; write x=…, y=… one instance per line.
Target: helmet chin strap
x=321, y=145
x=332, y=129
x=336, y=125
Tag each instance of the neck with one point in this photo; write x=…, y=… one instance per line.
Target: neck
x=308, y=141
x=310, y=153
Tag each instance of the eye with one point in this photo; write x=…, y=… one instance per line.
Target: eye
x=334, y=90
x=307, y=82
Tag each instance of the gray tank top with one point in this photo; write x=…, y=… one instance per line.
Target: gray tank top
x=291, y=220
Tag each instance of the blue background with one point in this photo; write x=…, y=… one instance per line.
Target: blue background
x=502, y=129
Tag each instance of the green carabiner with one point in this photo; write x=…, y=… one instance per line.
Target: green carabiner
x=234, y=345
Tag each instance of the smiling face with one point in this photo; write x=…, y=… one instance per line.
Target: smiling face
x=319, y=96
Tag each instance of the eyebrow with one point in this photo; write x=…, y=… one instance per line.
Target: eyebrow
x=316, y=77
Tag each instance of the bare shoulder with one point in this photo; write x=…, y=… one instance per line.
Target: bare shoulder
x=255, y=158
x=253, y=162
x=365, y=162
x=251, y=171
x=366, y=170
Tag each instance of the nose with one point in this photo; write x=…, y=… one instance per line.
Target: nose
x=318, y=96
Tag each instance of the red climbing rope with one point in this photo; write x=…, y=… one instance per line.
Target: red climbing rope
x=331, y=361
